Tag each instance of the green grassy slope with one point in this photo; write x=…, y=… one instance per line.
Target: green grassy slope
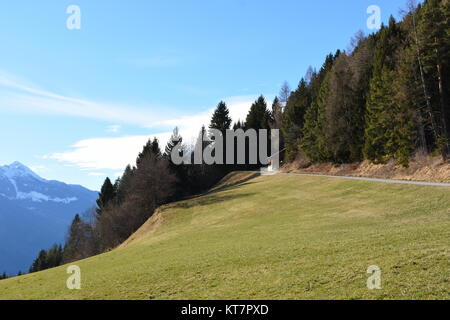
x=273, y=237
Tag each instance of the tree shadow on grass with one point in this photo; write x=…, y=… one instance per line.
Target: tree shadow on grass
x=211, y=198
x=240, y=182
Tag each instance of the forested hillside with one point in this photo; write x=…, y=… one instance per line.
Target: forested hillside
x=385, y=99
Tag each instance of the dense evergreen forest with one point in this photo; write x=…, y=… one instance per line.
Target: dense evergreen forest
x=384, y=98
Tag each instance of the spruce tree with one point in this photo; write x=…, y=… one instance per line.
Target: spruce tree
x=178, y=170
x=173, y=141
x=258, y=117
x=433, y=29
x=151, y=147
x=238, y=125
x=294, y=118
x=388, y=131
x=220, y=119
x=313, y=141
x=124, y=186
x=106, y=195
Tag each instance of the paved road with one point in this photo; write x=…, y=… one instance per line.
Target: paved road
x=420, y=183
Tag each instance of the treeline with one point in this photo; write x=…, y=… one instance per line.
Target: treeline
x=48, y=259
x=386, y=98
x=5, y=276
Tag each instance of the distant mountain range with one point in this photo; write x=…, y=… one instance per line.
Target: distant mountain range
x=34, y=214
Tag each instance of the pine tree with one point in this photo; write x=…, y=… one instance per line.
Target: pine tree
x=220, y=119
x=151, y=147
x=238, y=125
x=105, y=197
x=344, y=123
x=388, y=132
x=178, y=170
x=173, y=141
x=47, y=259
x=434, y=47
x=294, y=118
x=80, y=241
x=155, y=149
x=277, y=114
x=124, y=185
x=258, y=117
x=313, y=141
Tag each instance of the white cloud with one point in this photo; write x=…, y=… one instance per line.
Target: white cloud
x=117, y=152
x=96, y=174
x=109, y=153
x=18, y=94
x=38, y=168
x=102, y=153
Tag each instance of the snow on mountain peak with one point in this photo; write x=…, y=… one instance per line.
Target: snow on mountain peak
x=17, y=169
x=23, y=188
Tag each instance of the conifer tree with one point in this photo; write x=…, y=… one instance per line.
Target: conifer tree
x=258, y=117
x=124, y=185
x=105, y=197
x=344, y=121
x=178, y=170
x=238, y=125
x=294, y=117
x=388, y=131
x=313, y=141
x=151, y=147
x=434, y=46
x=173, y=141
x=220, y=119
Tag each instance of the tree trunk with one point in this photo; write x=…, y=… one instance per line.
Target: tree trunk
x=423, y=141
x=422, y=77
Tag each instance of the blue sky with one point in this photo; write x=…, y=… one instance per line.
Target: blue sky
x=77, y=105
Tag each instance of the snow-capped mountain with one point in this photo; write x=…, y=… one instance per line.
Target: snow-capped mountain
x=34, y=214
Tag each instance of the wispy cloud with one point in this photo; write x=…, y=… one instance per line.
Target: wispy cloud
x=117, y=152
x=96, y=174
x=112, y=153
x=19, y=94
x=38, y=168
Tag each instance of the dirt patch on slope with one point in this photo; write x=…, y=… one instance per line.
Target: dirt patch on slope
x=150, y=226
x=421, y=168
